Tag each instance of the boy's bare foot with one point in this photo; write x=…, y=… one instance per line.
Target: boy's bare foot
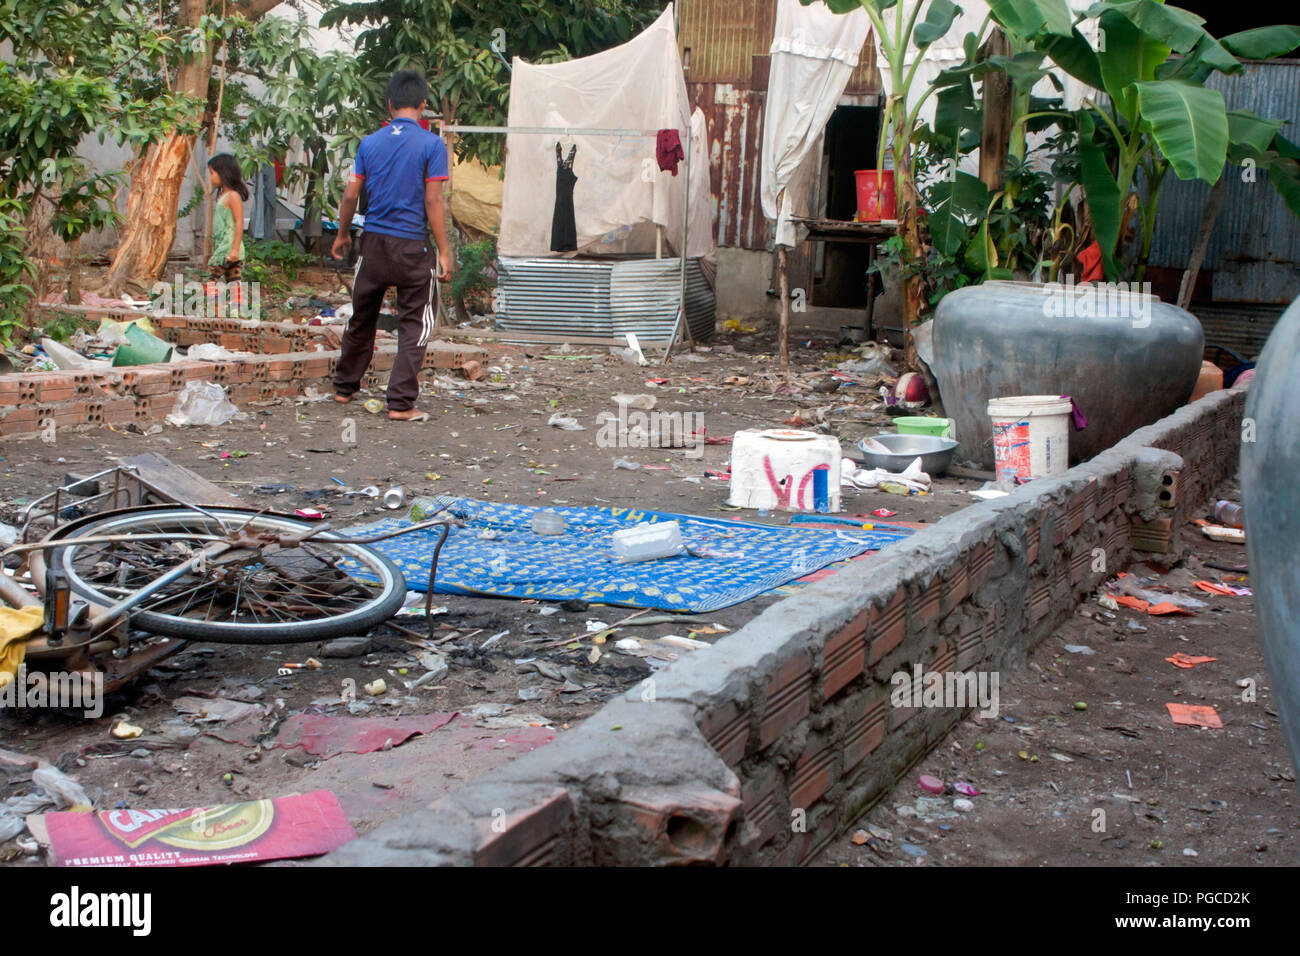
x=341, y=398
x=410, y=415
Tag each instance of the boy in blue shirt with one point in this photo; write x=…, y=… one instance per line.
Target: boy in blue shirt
x=403, y=167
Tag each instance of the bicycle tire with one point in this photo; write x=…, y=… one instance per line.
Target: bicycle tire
x=390, y=597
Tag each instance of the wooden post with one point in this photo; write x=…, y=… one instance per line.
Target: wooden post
x=783, y=284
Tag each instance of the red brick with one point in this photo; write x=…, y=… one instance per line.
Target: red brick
x=864, y=726
x=956, y=581
x=119, y=411
x=845, y=656
x=680, y=825
x=53, y=387
x=153, y=381
x=530, y=836
x=813, y=773
x=382, y=361
x=888, y=626
x=788, y=698
x=9, y=389
x=18, y=421
x=925, y=606
x=275, y=345
x=726, y=728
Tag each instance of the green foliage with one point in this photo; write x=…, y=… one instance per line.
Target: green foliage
x=272, y=264
x=464, y=50
x=16, y=270
x=74, y=69
x=475, y=269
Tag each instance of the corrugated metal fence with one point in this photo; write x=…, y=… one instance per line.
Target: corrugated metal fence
x=601, y=298
x=1254, y=250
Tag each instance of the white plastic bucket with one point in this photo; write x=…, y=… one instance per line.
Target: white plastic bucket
x=1031, y=437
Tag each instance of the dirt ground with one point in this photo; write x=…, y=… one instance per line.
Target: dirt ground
x=1115, y=782
x=486, y=440
x=1226, y=794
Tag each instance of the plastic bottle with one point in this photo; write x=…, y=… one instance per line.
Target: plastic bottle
x=648, y=541
x=1230, y=514
x=548, y=522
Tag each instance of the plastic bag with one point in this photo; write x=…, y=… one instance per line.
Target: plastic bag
x=202, y=403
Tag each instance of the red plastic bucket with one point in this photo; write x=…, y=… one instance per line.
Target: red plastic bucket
x=876, y=197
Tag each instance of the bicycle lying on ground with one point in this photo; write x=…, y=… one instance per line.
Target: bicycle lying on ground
x=186, y=572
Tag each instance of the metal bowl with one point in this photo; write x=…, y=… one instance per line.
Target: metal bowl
x=935, y=453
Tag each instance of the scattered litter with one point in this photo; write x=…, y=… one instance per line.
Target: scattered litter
x=307, y=824
x=1079, y=649
x=202, y=403
x=216, y=709
x=1187, y=661
x=1192, y=715
x=962, y=805
x=1220, y=533
x=1209, y=587
x=376, y=687
x=123, y=730
x=324, y=736
x=965, y=789
x=565, y=422
x=930, y=783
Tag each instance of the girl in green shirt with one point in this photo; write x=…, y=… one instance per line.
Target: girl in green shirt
x=227, y=260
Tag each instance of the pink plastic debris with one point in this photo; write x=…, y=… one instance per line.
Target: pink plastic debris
x=965, y=789
x=932, y=784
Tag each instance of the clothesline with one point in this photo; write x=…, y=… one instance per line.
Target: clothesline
x=552, y=130
x=681, y=322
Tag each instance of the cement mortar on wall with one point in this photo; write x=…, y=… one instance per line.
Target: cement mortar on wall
x=759, y=749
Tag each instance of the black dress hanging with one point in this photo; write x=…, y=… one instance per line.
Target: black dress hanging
x=564, y=231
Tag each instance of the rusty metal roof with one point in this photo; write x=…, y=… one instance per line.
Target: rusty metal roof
x=729, y=42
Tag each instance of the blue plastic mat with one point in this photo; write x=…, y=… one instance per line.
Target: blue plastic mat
x=498, y=554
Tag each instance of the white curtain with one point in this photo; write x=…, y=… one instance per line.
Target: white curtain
x=814, y=52
x=621, y=195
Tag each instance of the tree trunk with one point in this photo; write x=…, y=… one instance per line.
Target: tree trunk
x=783, y=284
x=995, y=130
x=909, y=227
x=150, y=227
x=146, y=237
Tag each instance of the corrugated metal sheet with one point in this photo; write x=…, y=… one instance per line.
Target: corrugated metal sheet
x=1244, y=329
x=724, y=37
x=602, y=298
x=734, y=119
x=1254, y=250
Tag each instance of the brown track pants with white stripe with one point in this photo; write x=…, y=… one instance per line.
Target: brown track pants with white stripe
x=410, y=265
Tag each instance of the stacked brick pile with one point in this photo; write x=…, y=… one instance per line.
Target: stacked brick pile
x=31, y=401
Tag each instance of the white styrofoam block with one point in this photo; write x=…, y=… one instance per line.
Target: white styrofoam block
x=777, y=474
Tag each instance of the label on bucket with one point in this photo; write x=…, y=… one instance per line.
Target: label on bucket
x=1011, y=452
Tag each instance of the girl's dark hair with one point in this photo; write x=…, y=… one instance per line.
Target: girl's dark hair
x=227, y=169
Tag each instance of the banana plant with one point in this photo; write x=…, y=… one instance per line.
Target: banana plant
x=899, y=30
x=1153, y=113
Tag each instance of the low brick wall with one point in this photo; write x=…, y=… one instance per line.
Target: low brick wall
x=238, y=335
x=31, y=401
x=761, y=748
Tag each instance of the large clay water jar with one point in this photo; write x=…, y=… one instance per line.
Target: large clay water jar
x=1270, y=488
x=1126, y=359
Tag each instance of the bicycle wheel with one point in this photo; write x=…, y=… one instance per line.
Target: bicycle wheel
x=261, y=592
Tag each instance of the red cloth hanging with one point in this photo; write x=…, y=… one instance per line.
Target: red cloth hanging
x=668, y=150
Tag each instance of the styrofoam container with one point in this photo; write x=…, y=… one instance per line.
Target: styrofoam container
x=648, y=541
x=1031, y=437
x=775, y=469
